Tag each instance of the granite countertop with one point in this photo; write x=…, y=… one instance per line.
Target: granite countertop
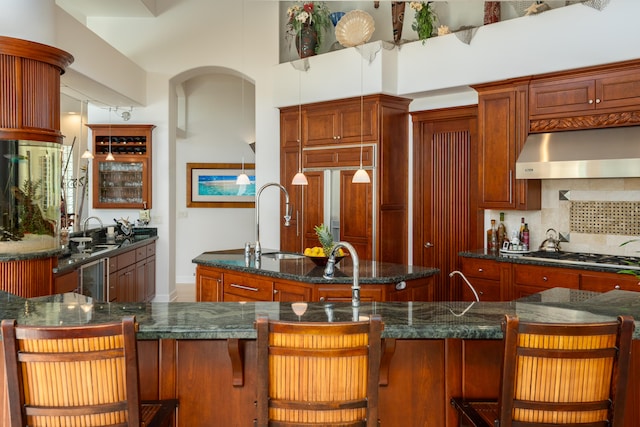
x=70, y=258
x=304, y=270
x=519, y=259
x=405, y=320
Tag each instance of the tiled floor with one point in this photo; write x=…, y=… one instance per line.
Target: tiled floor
x=186, y=292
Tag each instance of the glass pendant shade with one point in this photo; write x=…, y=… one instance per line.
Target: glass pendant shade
x=361, y=177
x=87, y=154
x=243, y=179
x=299, y=179
x=110, y=156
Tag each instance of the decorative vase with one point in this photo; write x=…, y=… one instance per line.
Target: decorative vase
x=306, y=41
x=397, y=19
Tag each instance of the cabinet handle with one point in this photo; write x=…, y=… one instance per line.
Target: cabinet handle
x=598, y=101
x=275, y=291
x=480, y=270
x=544, y=278
x=246, y=288
x=428, y=245
x=616, y=287
x=321, y=299
x=591, y=101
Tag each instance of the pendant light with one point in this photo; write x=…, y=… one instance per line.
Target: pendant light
x=361, y=176
x=243, y=178
x=299, y=178
x=87, y=154
x=110, y=155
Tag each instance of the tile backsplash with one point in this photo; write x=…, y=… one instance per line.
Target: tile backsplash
x=597, y=215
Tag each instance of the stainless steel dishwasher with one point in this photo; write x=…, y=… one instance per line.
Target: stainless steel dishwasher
x=94, y=279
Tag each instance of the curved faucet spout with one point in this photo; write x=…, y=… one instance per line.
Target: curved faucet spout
x=331, y=263
x=84, y=224
x=287, y=212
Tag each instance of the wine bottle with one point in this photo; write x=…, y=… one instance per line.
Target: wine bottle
x=492, y=236
x=502, y=231
x=525, y=237
x=521, y=235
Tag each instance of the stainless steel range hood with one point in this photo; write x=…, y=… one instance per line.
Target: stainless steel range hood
x=593, y=153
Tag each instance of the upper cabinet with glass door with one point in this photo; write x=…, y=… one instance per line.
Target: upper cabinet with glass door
x=124, y=182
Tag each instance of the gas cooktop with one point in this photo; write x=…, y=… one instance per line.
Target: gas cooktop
x=585, y=258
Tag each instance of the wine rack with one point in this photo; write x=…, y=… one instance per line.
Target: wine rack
x=124, y=182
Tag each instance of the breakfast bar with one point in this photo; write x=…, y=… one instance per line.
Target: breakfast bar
x=204, y=353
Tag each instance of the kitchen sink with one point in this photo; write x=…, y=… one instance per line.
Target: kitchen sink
x=283, y=255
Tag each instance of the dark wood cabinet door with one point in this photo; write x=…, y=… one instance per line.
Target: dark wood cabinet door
x=502, y=131
x=289, y=292
x=553, y=98
x=291, y=235
x=445, y=206
x=356, y=206
x=320, y=127
x=208, y=284
x=313, y=210
x=358, y=120
x=620, y=90
x=496, y=150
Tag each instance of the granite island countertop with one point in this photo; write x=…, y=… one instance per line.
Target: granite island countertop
x=403, y=320
x=304, y=270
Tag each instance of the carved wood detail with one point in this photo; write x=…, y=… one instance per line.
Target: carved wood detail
x=236, y=354
x=624, y=118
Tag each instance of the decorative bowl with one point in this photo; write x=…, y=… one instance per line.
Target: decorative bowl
x=355, y=28
x=321, y=261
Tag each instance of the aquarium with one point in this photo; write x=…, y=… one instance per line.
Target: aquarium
x=30, y=174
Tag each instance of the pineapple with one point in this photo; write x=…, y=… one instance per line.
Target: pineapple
x=325, y=238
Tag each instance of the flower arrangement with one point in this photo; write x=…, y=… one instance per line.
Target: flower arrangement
x=424, y=19
x=310, y=13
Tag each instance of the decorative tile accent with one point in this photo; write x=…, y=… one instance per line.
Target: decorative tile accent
x=564, y=195
x=605, y=217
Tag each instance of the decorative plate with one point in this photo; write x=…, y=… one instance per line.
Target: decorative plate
x=355, y=28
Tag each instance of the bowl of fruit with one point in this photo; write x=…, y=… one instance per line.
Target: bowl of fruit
x=320, y=254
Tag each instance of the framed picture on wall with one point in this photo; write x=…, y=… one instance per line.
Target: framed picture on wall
x=213, y=185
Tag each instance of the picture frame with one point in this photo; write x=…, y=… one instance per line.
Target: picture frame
x=213, y=185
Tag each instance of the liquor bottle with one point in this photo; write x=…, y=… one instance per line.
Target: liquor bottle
x=525, y=238
x=492, y=236
x=521, y=235
x=502, y=232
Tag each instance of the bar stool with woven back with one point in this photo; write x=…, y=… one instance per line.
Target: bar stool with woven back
x=318, y=374
x=77, y=375
x=558, y=375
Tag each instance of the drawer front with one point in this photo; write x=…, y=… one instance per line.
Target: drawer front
x=113, y=263
x=151, y=249
x=247, y=287
x=126, y=259
x=481, y=268
x=141, y=253
x=603, y=282
x=546, y=277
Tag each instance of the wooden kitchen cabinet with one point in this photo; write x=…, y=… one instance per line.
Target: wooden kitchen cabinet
x=291, y=236
x=378, y=232
x=530, y=279
x=132, y=275
x=484, y=276
x=339, y=122
x=208, y=284
x=604, y=282
x=585, y=93
x=126, y=181
x=502, y=131
x=219, y=284
x=67, y=282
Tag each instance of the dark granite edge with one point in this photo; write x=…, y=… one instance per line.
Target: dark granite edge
x=427, y=272
x=105, y=254
x=483, y=254
x=31, y=255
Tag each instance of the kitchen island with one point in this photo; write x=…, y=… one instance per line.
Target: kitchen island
x=204, y=353
x=228, y=275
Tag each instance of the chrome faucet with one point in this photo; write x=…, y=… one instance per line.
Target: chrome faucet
x=287, y=213
x=330, y=268
x=84, y=224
